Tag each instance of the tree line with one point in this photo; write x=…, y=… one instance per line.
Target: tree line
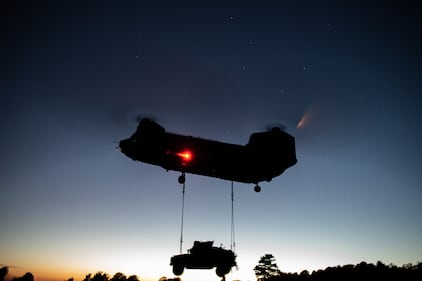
x=267, y=270
x=26, y=277
x=99, y=276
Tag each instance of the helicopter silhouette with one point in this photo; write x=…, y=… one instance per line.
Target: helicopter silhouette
x=266, y=155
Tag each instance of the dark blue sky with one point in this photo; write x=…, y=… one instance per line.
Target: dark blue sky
x=74, y=75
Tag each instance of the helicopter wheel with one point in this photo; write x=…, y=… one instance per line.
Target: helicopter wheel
x=257, y=188
x=182, y=178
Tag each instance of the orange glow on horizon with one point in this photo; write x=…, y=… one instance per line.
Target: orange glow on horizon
x=65, y=274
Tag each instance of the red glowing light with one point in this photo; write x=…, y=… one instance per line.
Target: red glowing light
x=185, y=155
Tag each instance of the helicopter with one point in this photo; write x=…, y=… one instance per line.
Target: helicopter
x=266, y=155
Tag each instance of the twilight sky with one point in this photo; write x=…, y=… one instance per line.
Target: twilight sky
x=75, y=74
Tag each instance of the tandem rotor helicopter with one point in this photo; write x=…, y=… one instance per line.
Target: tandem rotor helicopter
x=266, y=155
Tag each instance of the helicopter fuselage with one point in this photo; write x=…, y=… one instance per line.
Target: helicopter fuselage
x=265, y=156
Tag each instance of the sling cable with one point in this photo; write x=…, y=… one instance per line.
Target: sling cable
x=232, y=224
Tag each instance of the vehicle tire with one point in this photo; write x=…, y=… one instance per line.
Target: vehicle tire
x=222, y=270
x=178, y=269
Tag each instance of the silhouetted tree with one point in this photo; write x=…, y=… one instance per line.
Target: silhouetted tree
x=26, y=277
x=3, y=272
x=169, y=279
x=266, y=268
x=133, y=278
x=304, y=274
x=100, y=276
x=118, y=277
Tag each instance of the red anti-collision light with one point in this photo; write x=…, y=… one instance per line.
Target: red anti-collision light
x=185, y=155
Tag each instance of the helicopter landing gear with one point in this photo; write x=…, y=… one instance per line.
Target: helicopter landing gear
x=257, y=188
x=182, y=178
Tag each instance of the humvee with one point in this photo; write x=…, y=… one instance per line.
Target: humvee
x=204, y=256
